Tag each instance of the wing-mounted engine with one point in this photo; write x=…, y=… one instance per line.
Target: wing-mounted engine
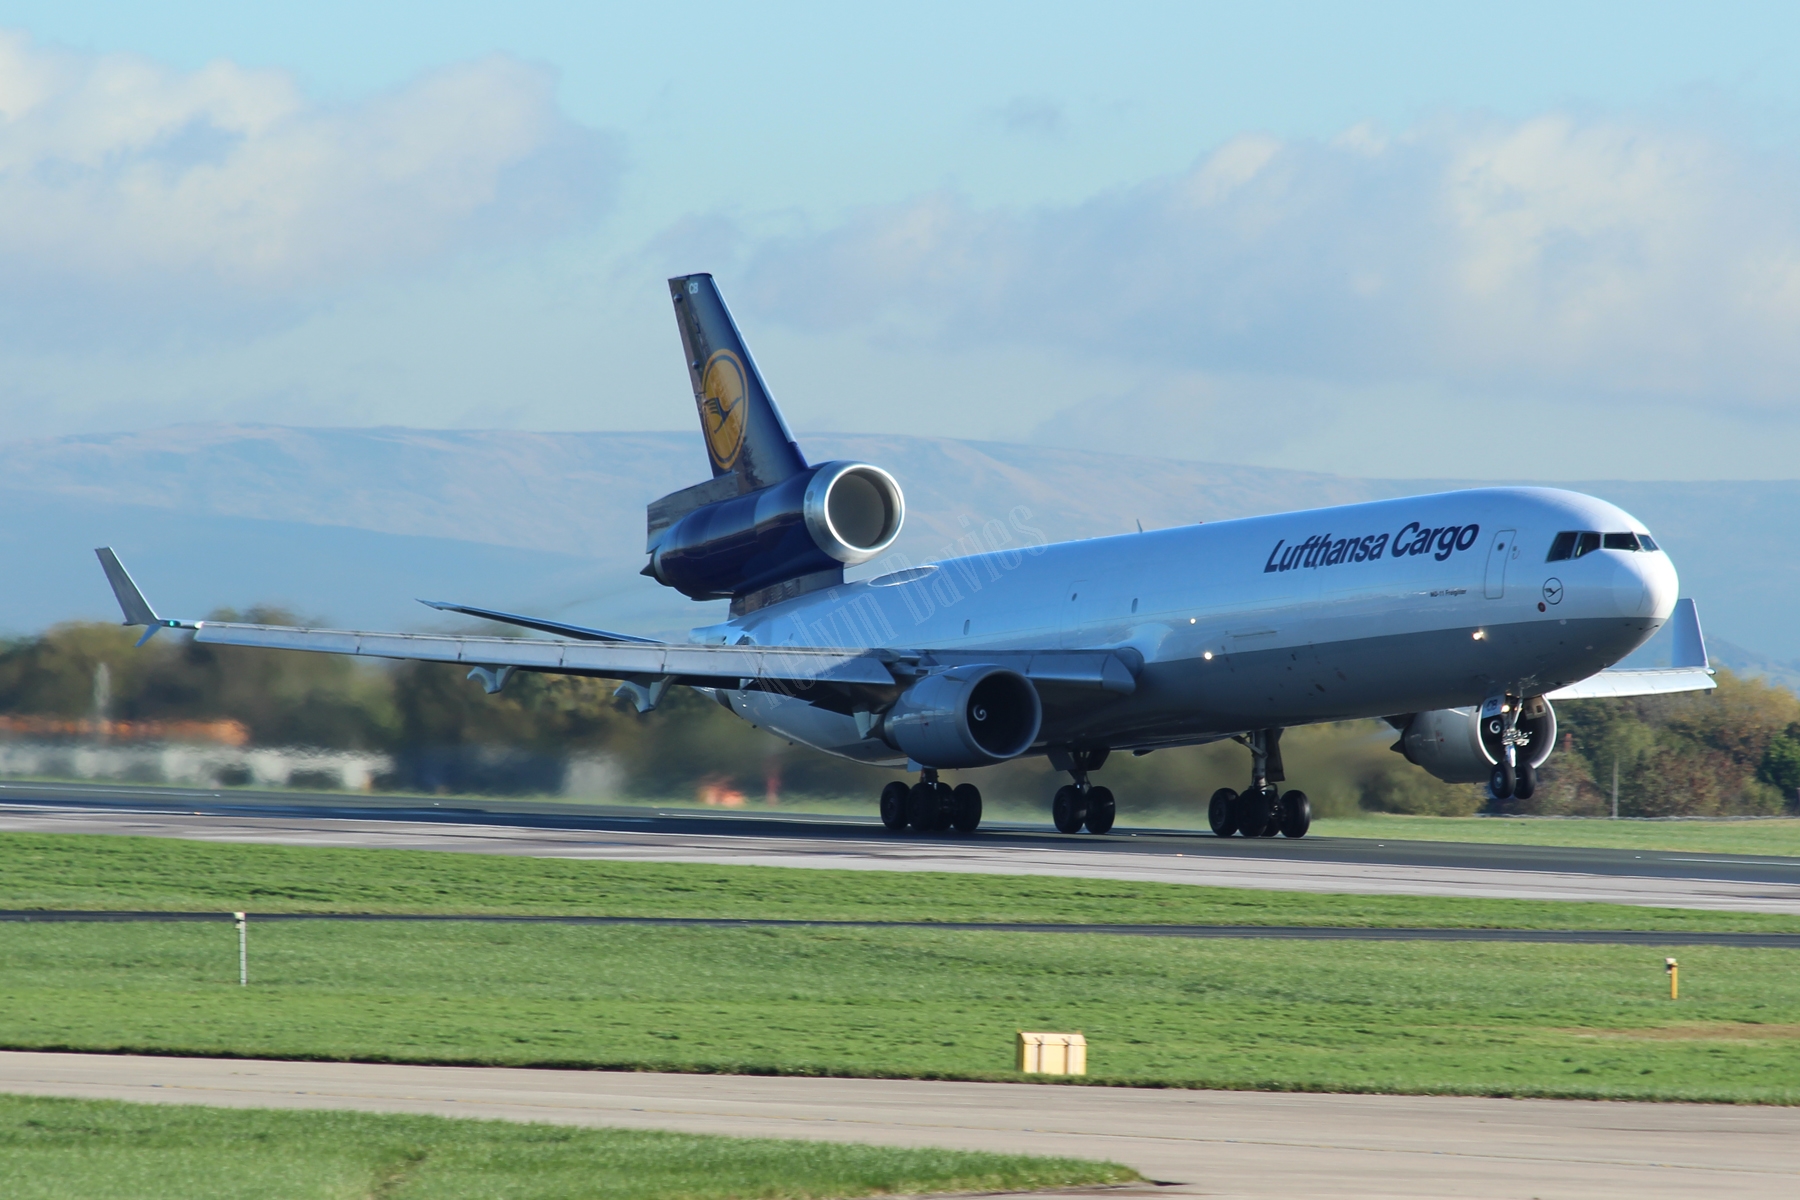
x=709, y=542
x=1458, y=746
x=968, y=716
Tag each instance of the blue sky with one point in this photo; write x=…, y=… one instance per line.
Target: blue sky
x=1388, y=239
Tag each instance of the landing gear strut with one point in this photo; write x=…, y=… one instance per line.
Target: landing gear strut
x=1082, y=803
x=1261, y=810
x=931, y=806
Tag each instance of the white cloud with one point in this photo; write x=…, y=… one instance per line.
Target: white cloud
x=1606, y=256
x=120, y=176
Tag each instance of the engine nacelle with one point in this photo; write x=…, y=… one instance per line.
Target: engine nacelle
x=833, y=515
x=969, y=716
x=1458, y=746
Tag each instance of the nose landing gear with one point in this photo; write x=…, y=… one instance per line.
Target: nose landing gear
x=1261, y=810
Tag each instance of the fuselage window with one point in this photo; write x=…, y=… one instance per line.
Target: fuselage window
x=1646, y=541
x=1563, y=547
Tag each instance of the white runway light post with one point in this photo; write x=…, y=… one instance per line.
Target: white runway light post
x=243, y=950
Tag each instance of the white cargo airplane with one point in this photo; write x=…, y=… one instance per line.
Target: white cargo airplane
x=1457, y=617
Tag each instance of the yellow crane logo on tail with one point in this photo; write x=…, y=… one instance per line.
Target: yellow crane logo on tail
x=722, y=391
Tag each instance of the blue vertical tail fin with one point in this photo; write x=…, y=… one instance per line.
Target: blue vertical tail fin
x=745, y=434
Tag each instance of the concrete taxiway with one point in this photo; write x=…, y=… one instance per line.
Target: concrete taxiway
x=1193, y=1143
x=1746, y=883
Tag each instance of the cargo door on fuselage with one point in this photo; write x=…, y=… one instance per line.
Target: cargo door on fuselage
x=1500, y=551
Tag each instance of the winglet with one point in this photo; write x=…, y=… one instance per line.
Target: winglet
x=1690, y=643
x=137, y=610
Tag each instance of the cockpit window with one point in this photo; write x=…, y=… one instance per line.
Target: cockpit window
x=1573, y=543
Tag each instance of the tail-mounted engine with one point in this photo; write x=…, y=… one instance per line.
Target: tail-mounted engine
x=709, y=542
x=1458, y=745
x=968, y=716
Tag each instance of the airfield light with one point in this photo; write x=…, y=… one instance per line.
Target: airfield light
x=1674, y=971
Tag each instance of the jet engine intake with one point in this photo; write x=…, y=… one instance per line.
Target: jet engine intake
x=968, y=716
x=1458, y=746
x=826, y=517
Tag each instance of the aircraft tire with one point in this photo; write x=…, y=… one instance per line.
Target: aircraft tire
x=921, y=807
x=1221, y=814
x=894, y=801
x=1102, y=810
x=965, y=807
x=1502, y=781
x=1069, y=809
x=1255, y=809
x=1526, y=782
x=1296, y=815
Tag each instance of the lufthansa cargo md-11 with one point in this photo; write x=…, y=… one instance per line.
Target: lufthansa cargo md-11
x=1457, y=617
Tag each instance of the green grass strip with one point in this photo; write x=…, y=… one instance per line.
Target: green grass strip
x=54, y=1149
x=1421, y=1017
x=96, y=872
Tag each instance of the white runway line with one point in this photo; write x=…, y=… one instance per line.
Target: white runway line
x=1273, y=873
x=1252, y=1145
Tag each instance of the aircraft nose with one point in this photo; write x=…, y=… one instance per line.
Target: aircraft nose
x=1644, y=585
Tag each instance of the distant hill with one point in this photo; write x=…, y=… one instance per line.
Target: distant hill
x=353, y=524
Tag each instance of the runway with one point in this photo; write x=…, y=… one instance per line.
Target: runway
x=1193, y=1143
x=1746, y=883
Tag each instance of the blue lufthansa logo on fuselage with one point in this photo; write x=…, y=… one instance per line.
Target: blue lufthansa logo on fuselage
x=1322, y=550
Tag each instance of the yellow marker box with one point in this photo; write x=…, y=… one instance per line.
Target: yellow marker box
x=1052, y=1053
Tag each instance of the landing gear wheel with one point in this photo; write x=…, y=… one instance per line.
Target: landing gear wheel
x=1296, y=814
x=1502, y=781
x=1255, y=809
x=1068, y=809
x=1101, y=810
x=928, y=805
x=893, y=805
x=965, y=807
x=1221, y=814
x=1526, y=783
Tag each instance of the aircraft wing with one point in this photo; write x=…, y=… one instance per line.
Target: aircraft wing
x=1689, y=674
x=839, y=679
x=1648, y=682
x=707, y=666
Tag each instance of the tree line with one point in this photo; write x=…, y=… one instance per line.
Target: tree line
x=1735, y=750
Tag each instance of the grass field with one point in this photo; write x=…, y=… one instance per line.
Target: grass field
x=97, y=1150
x=1777, y=835
x=1492, y=1019
x=89, y=871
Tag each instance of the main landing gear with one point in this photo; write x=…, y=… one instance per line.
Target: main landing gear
x=930, y=806
x=1083, y=803
x=1261, y=810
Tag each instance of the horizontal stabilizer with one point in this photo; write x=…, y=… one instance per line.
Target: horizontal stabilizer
x=561, y=629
